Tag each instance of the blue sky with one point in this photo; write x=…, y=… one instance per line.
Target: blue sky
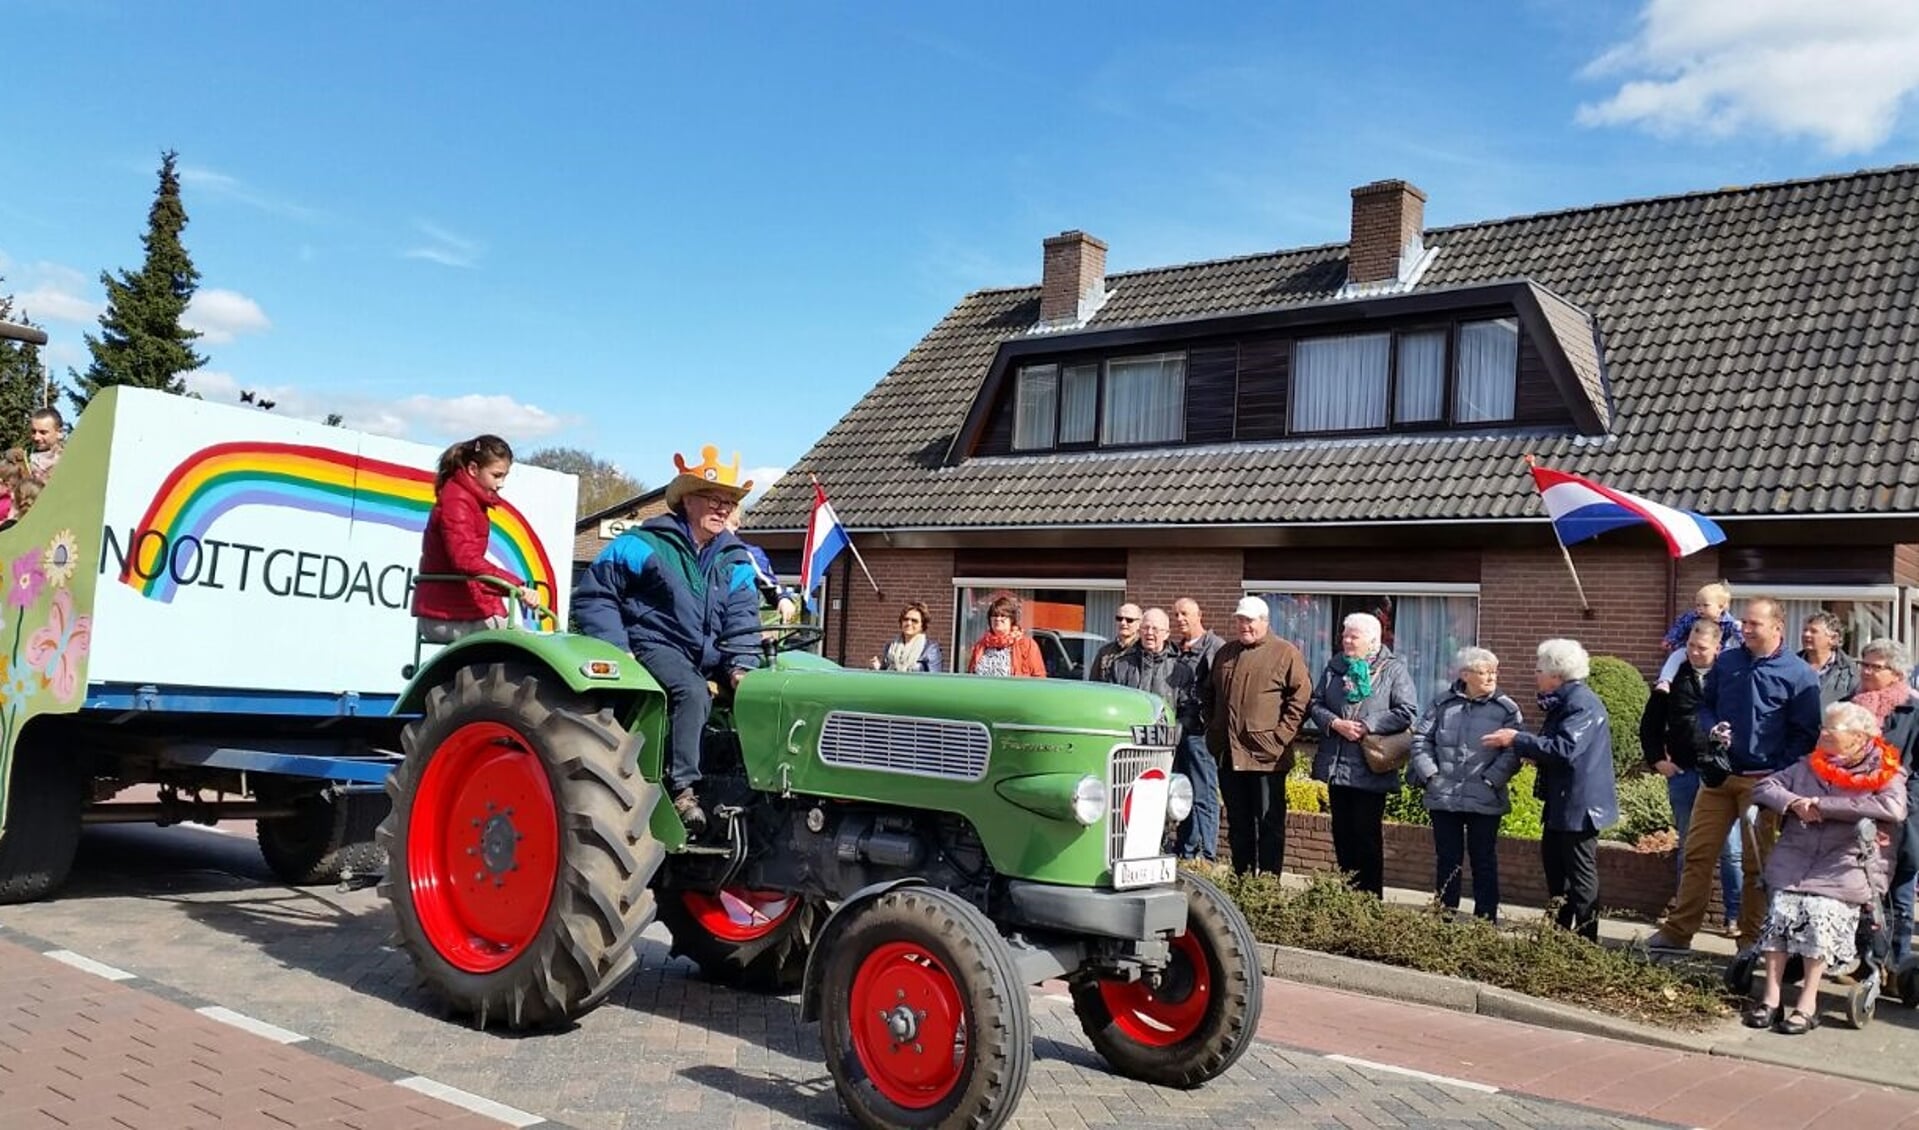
x=641, y=228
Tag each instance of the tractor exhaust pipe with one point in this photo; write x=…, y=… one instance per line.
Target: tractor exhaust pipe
x=166, y=814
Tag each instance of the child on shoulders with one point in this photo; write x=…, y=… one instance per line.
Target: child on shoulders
x=1710, y=603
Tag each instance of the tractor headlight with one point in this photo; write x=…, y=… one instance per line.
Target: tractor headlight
x=1089, y=801
x=1179, y=798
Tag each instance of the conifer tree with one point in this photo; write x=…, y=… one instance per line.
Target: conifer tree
x=142, y=342
x=23, y=380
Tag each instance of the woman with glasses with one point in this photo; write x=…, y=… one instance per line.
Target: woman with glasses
x=1004, y=650
x=913, y=650
x=1884, y=665
x=1464, y=780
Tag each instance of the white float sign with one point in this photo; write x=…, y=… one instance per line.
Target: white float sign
x=246, y=551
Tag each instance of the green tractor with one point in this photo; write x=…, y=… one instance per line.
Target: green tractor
x=909, y=852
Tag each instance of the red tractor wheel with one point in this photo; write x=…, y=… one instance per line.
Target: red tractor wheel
x=1199, y=1017
x=922, y=1015
x=518, y=856
x=750, y=939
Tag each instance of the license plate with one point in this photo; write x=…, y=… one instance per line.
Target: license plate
x=1142, y=872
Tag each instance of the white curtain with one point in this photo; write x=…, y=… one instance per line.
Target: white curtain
x=1078, y=399
x=1145, y=399
x=1488, y=370
x=1425, y=631
x=1421, y=395
x=1339, y=383
x=1035, y=408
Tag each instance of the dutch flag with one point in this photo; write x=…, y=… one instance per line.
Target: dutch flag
x=1581, y=509
x=825, y=540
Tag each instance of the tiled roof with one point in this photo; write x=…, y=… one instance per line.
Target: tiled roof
x=1759, y=348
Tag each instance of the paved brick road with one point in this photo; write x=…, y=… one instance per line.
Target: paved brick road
x=193, y=912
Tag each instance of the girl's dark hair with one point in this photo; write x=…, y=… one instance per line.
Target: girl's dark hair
x=484, y=450
x=1004, y=605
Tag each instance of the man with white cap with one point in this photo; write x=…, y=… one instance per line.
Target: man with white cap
x=1261, y=689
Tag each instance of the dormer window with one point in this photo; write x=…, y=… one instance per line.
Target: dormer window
x=1369, y=382
x=1123, y=402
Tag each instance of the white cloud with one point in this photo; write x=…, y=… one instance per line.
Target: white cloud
x=233, y=188
x=1837, y=73
x=50, y=292
x=220, y=315
x=428, y=419
x=761, y=478
x=444, y=247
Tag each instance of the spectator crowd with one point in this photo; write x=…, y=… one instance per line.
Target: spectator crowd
x=1813, y=741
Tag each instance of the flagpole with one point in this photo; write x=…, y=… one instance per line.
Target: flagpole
x=815, y=480
x=1585, y=609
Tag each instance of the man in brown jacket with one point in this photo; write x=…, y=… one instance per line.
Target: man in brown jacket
x=1260, y=692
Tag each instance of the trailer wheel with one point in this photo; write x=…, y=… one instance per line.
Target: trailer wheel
x=1202, y=1015
x=756, y=940
x=324, y=838
x=923, y=1018
x=518, y=859
x=45, y=793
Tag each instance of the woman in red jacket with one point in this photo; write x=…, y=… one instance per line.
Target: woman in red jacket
x=1004, y=650
x=457, y=530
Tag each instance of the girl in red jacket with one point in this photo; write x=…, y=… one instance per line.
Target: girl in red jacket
x=468, y=485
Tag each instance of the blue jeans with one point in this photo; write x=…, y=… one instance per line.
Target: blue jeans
x=1198, y=835
x=1682, y=789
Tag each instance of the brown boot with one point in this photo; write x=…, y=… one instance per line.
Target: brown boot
x=687, y=803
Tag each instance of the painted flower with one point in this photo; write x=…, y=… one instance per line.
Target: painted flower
x=25, y=580
x=17, y=685
x=55, y=650
x=60, y=559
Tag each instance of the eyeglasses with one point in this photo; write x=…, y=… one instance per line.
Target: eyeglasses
x=909, y=619
x=718, y=501
x=1865, y=666
x=1126, y=619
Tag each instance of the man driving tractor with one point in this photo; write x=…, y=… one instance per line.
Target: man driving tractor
x=679, y=593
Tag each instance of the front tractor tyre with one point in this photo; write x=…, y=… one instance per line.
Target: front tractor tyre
x=1202, y=1013
x=324, y=838
x=756, y=940
x=518, y=859
x=923, y=1017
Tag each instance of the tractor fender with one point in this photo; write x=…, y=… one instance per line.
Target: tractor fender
x=585, y=665
x=829, y=934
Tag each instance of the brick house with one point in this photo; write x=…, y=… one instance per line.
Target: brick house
x=1342, y=428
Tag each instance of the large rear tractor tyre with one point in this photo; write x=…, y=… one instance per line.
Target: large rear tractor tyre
x=922, y=1015
x=1201, y=1016
x=755, y=940
x=45, y=793
x=325, y=838
x=518, y=859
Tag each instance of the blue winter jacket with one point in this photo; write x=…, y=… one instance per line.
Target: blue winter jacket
x=1574, y=751
x=650, y=589
x=1772, y=702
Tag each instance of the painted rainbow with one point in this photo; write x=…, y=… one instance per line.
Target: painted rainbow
x=218, y=479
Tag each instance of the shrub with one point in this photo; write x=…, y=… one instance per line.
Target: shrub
x=1533, y=957
x=1527, y=818
x=1303, y=794
x=1644, y=808
x=1407, y=805
x=1624, y=695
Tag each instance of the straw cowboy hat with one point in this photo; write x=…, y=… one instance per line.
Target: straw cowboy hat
x=709, y=476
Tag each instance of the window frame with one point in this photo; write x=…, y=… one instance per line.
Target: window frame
x=1101, y=366
x=962, y=649
x=1448, y=419
x=1394, y=590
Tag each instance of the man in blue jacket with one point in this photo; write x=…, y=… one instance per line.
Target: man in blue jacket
x=1760, y=708
x=679, y=593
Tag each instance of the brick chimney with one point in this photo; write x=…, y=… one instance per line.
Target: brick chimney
x=1073, y=281
x=1388, y=217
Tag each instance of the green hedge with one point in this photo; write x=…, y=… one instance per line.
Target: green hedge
x=1644, y=808
x=1623, y=692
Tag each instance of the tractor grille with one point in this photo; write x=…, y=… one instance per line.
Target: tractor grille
x=1128, y=763
x=918, y=747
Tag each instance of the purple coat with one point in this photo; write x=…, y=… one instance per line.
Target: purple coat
x=1824, y=858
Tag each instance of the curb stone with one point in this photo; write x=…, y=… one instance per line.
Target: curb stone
x=1455, y=994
